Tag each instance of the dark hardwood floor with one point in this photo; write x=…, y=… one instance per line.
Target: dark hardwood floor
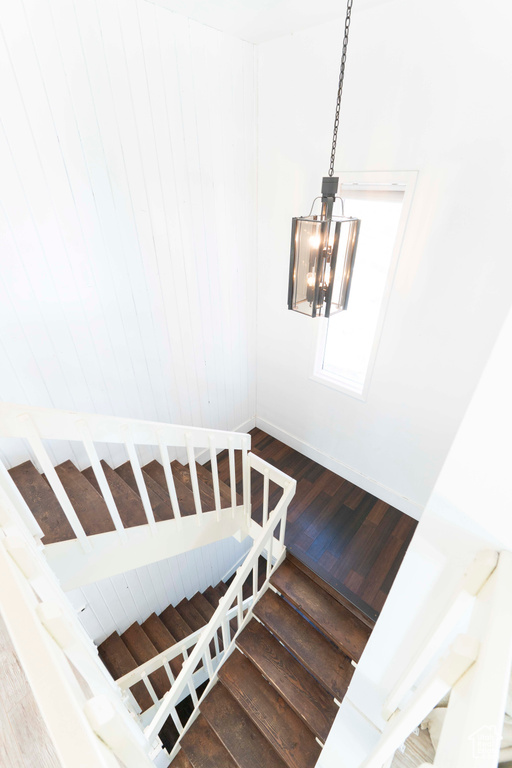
x=350, y=538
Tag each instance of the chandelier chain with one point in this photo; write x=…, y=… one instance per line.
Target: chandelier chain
x=340, y=87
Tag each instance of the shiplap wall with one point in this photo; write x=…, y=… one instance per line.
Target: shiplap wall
x=113, y=604
x=127, y=238
x=127, y=226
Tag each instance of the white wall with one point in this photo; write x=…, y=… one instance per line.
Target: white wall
x=112, y=605
x=425, y=90
x=127, y=198
x=468, y=511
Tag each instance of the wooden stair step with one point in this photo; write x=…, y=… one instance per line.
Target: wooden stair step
x=290, y=679
x=222, y=587
x=181, y=761
x=162, y=639
x=87, y=502
x=185, y=496
x=285, y=731
x=370, y=623
x=158, y=498
x=175, y=623
x=128, y=502
x=203, y=747
x=142, y=650
x=332, y=619
x=242, y=739
x=191, y=615
x=213, y=596
x=194, y=618
x=205, y=491
x=119, y=661
x=327, y=663
x=42, y=502
x=224, y=490
x=202, y=606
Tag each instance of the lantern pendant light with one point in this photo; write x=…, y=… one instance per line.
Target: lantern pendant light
x=323, y=245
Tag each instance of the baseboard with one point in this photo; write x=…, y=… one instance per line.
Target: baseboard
x=245, y=426
x=388, y=495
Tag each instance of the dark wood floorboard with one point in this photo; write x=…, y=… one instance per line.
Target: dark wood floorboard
x=349, y=537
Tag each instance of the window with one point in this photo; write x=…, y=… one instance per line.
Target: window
x=347, y=342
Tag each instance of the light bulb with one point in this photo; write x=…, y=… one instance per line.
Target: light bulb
x=311, y=279
x=314, y=241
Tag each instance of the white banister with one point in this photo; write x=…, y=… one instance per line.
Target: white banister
x=263, y=543
x=46, y=465
x=164, y=458
x=215, y=476
x=102, y=480
x=472, y=729
x=139, y=479
x=446, y=618
x=232, y=472
x=108, y=724
x=462, y=655
x=193, y=476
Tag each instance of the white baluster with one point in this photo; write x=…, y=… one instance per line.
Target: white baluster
x=139, y=479
x=265, y=495
x=42, y=457
x=193, y=475
x=102, y=480
x=164, y=457
x=215, y=476
x=232, y=474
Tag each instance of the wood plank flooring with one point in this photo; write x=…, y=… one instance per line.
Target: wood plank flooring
x=350, y=538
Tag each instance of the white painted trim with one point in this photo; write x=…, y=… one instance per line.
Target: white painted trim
x=364, y=180
x=109, y=556
x=408, y=506
x=203, y=456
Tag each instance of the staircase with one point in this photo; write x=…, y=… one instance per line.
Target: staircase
x=277, y=694
x=87, y=499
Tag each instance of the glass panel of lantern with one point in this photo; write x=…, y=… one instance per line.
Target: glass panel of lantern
x=319, y=281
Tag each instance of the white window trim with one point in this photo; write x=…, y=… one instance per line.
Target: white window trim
x=362, y=179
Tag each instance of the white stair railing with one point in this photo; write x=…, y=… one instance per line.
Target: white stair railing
x=269, y=542
x=476, y=673
x=88, y=724
x=90, y=431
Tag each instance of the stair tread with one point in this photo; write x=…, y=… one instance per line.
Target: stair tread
x=224, y=490
x=202, y=606
x=213, y=596
x=162, y=639
x=142, y=649
x=342, y=599
x=175, y=623
x=185, y=496
x=181, y=761
x=203, y=747
x=222, y=586
x=280, y=725
x=320, y=657
x=205, y=491
x=290, y=679
x=237, y=732
x=334, y=620
x=42, y=502
x=158, y=498
x=89, y=506
x=190, y=614
x=119, y=661
x=128, y=502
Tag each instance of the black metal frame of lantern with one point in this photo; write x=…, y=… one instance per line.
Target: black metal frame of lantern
x=322, y=254
x=323, y=246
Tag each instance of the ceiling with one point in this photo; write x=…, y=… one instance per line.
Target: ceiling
x=260, y=20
